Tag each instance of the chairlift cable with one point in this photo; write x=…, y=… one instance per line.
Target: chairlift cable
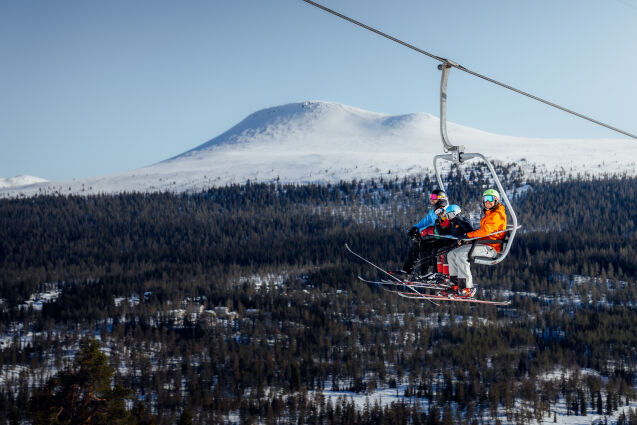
x=367, y=27
x=448, y=62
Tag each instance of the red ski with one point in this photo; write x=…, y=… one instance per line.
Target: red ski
x=430, y=297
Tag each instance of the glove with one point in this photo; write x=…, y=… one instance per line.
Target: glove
x=413, y=232
x=460, y=241
x=427, y=232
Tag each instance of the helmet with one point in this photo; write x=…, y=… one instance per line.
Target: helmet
x=452, y=211
x=491, y=192
x=438, y=194
x=439, y=206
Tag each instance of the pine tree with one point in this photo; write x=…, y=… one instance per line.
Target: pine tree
x=82, y=394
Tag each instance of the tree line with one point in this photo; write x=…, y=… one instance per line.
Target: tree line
x=569, y=335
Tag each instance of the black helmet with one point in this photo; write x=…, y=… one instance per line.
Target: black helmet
x=440, y=205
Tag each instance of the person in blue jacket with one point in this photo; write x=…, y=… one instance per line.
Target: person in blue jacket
x=438, y=201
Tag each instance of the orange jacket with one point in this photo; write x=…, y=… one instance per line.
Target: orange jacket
x=493, y=220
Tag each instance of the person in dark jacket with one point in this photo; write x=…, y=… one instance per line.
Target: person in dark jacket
x=450, y=223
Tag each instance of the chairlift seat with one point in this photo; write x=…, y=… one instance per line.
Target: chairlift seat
x=503, y=252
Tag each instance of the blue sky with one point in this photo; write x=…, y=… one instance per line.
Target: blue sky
x=90, y=88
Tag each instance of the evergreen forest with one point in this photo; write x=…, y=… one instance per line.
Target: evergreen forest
x=240, y=305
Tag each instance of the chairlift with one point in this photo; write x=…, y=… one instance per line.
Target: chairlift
x=457, y=155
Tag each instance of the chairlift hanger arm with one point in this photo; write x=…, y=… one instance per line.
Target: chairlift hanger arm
x=446, y=144
x=462, y=68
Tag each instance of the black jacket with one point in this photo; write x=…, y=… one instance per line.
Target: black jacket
x=459, y=226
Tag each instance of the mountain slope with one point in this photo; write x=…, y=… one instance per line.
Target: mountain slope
x=19, y=181
x=328, y=142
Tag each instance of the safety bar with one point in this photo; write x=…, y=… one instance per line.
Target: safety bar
x=508, y=229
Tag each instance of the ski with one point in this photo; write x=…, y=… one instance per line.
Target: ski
x=412, y=283
x=414, y=287
x=414, y=296
x=372, y=264
x=395, y=279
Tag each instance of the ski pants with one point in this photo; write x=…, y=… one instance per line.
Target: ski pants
x=459, y=264
x=422, y=253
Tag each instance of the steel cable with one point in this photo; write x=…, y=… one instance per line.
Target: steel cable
x=462, y=68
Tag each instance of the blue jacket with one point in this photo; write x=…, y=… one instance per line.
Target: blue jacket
x=428, y=221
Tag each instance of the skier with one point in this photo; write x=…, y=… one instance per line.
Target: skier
x=418, y=245
x=494, y=219
x=458, y=225
x=449, y=223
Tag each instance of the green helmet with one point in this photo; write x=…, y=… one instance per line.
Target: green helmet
x=490, y=195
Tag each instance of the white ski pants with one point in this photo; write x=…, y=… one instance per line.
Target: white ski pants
x=459, y=260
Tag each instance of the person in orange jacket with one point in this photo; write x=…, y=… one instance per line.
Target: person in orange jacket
x=492, y=226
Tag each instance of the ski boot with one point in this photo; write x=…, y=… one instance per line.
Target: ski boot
x=457, y=292
x=428, y=275
x=443, y=280
x=458, y=289
x=439, y=279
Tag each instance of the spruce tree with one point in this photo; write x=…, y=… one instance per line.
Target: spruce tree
x=82, y=393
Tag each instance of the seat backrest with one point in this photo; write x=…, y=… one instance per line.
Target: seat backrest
x=504, y=241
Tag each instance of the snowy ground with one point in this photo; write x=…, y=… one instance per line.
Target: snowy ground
x=260, y=280
x=386, y=396
x=17, y=334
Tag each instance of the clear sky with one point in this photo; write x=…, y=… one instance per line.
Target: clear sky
x=98, y=87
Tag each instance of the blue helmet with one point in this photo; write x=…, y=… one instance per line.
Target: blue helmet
x=452, y=211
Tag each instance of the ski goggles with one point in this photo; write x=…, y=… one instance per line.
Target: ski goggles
x=435, y=197
x=488, y=198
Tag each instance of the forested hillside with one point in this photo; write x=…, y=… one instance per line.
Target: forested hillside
x=241, y=304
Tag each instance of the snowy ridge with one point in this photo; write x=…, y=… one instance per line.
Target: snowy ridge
x=18, y=181
x=328, y=142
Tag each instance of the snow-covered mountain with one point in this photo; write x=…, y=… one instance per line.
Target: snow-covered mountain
x=19, y=181
x=327, y=142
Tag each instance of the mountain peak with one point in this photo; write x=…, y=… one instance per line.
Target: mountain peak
x=317, y=141
x=328, y=118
